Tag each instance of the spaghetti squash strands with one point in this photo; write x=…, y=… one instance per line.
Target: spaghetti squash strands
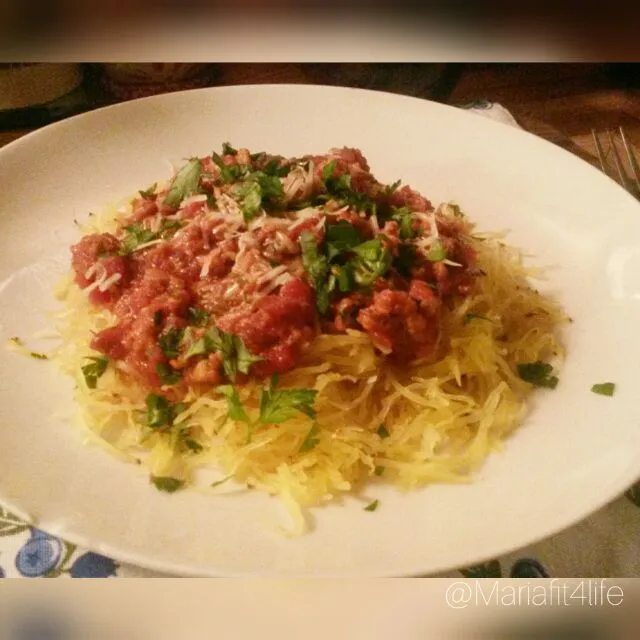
x=403, y=370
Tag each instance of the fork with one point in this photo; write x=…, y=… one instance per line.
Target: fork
x=629, y=177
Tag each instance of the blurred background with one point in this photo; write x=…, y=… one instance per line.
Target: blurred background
x=560, y=101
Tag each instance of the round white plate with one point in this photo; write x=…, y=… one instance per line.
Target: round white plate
x=575, y=452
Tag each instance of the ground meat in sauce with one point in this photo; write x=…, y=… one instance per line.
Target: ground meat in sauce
x=251, y=282
x=397, y=325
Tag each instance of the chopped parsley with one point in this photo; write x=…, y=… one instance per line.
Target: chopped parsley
x=341, y=237
x=372, y=506
x=538, y=374
x=160, y=412
x=604, y=388
x=379, y=471
x=339, y=189
x=93, y=371
x=371, y=262
x=335, y=185
x=217, y=483
x=38, y=356
x=474, y=316
x=273, y=168
x=170, y=341
x=228, y=173
x=250, y=196
x=236, y=358
x=192, y=445
x=368, y=261
x=236, y=410
x=437, y=252
x=404, y=218
x=392, y=188
x=405, y=260
x=277, y=406
x=167, y=374
x=167, y=484
x=185, y=183
x=258, y=191
x=167, y=226
x=382, y=431
x=150, y=193
x=317, y=266
x=197, y=317
x=228, y=150
x=343, y=276
x=136, y=236
x=311, y=440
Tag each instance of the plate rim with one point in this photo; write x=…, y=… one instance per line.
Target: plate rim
x=178, y=568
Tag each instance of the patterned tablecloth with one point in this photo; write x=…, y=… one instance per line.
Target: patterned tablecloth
x=605, y=545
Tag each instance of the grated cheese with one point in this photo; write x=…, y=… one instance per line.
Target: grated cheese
x=109, y=282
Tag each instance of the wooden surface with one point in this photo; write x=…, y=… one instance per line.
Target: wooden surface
x=559, y=102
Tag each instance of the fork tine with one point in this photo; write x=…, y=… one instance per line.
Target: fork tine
x=635, y=170
x=618, y=162
x=603, y=163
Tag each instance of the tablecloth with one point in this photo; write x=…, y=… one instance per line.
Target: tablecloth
x=605, y=545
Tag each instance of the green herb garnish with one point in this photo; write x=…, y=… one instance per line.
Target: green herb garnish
x=166, y=484
x=372, y=261
x=197, y=317
x=311, y=440
x=236, y=410
x=382, y=431
x=437, y=252
x=150, y=193
x=404, y=218
x=379, y=471
x=317, y=266
x=538, y=374
x=474, y=316
x=257, y=191
x=170, y=341
x=236, y=358
x=277, y=406
x=273, y=168
x=250, y=196
x=392, y=188
x=341, y=237
x=373, y=506
x=160, y=412
x=217, y=483
x=167, y=374
x=228, y=173
x=604, y=388
x=228, y=150
x=192, y=445
x=93, y=371
x=405, y=260
x=185, y=183
x=136, y=235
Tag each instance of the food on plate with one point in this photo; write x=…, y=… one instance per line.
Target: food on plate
x=302, y=328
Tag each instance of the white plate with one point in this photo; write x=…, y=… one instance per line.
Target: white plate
x=576, y=451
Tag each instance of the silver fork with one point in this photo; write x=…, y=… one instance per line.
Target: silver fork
x=628, y=176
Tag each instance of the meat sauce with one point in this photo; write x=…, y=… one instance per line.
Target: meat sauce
x=196, y=268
